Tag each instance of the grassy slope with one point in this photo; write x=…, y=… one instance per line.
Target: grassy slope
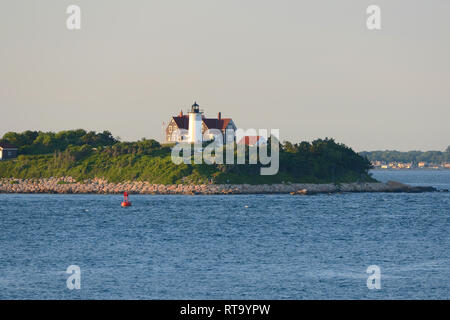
x=155, y=169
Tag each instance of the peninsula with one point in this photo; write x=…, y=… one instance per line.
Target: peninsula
x=77, y=161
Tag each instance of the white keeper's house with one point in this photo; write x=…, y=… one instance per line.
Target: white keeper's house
x=191, y=127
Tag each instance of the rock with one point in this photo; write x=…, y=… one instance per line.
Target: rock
x=101, y=186
x=421, y=189
x=303, y=192
x=300, y=192
x=393, y=186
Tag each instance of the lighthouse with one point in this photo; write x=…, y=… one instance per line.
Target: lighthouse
x=195, y=124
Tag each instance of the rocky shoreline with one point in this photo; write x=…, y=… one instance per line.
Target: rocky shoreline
x=68, y=185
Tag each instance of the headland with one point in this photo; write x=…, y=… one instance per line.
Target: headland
x=67, y=185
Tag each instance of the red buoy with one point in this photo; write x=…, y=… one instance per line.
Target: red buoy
x=125, y=202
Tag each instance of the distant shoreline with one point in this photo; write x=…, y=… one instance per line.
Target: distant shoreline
x=100, y=186
x=410, y=169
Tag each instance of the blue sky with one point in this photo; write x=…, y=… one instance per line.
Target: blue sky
x=310, y=68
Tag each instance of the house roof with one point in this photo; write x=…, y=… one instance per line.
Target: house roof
x=5, y=145
x=216, y=123
x=210, y=123
x=182, y=122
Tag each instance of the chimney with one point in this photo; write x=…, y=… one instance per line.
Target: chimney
x=219, y=116
x=181, y=113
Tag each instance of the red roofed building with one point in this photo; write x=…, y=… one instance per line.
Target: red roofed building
x=178, y=127
x=252, y=141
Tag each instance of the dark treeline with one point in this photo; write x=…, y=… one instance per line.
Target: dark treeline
x=410, y=156
x=38, y=142
x=323, y=159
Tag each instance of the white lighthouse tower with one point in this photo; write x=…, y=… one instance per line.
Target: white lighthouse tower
x=195, y=124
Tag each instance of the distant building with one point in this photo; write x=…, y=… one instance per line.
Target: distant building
x=376, y=163
x=252, y=141
x=7, y=151
x=421, y=164
x=192, y=127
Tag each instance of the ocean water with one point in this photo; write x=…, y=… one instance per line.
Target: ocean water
x=229, y=247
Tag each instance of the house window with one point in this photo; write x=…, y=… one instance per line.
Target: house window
x=170, y=129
